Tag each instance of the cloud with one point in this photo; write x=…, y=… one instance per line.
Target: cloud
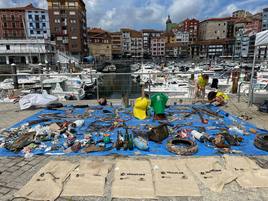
x=228, y=10
x=17, y=3
x=115, y=14
x=181, y=9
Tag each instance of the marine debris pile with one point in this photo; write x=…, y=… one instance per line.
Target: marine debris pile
x=104, y=130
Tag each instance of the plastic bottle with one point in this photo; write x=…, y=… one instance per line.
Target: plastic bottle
x=234, y=130
x=79, y=123
x=199, y=136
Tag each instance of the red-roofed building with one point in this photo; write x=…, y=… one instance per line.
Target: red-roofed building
x=191, y=26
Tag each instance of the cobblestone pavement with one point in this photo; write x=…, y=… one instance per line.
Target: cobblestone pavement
x=16, y=172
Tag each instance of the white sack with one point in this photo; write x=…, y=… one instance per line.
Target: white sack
x=36, y=100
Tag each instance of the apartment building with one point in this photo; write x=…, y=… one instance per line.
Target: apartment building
x=213, y=29
x=158, y=46
x=182, y=37
x=68, y=26
x=126, y=41
x=191, y=26
x=99, y=44
x=37, y=22
x=241, y=14
x=12, y=23
x=116, y=40
x=265, y=19
x=147, y=35
x=136, y=48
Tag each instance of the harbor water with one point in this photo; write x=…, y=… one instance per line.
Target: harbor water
x=114, y=86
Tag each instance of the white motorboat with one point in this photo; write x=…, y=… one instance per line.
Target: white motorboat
x=64, y=86
x=145, y=73
x=135, y=67
x=173, y=89
x=23, y=80
x=109, y=68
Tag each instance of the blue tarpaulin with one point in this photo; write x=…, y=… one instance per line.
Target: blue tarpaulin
x=104, y=117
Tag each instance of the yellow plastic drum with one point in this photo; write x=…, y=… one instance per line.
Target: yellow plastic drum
x=140, y=108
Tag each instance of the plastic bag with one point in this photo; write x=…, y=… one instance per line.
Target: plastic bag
x=36, y=100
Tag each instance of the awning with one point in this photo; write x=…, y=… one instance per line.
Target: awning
x=261, y=38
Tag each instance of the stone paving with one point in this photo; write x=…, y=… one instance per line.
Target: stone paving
x=16, y=172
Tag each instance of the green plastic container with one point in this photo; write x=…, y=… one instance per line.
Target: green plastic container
x=158, y=103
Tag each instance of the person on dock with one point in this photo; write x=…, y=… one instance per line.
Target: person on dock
x=217, y=98
x=200, y=86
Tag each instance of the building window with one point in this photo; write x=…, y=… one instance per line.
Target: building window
x=36, y=17
x=57, y=20
x=12, y=17
x=31, y=25
x=13, y=25
x=56, y=12
x=71, y=4
x=21, y=25
x=45, y=32
x=73, y=21
x=74, y=45
x=5, y=24
x=55, y=4
x=74, y=37
x=31, y=32
x=38, y=32
x=7, y=47
x=43, y=17
x=44, y=24
x=72, y=12
x=37, y=25
x=30, y=17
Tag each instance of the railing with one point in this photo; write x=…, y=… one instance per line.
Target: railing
x=110, y=85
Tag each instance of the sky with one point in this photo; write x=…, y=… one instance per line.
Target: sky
x=112, y=15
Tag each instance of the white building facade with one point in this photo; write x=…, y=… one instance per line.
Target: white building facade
x=37, y=23
x=27, y=51
x=126, y=42
x=182, y=37
x=158, y=46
